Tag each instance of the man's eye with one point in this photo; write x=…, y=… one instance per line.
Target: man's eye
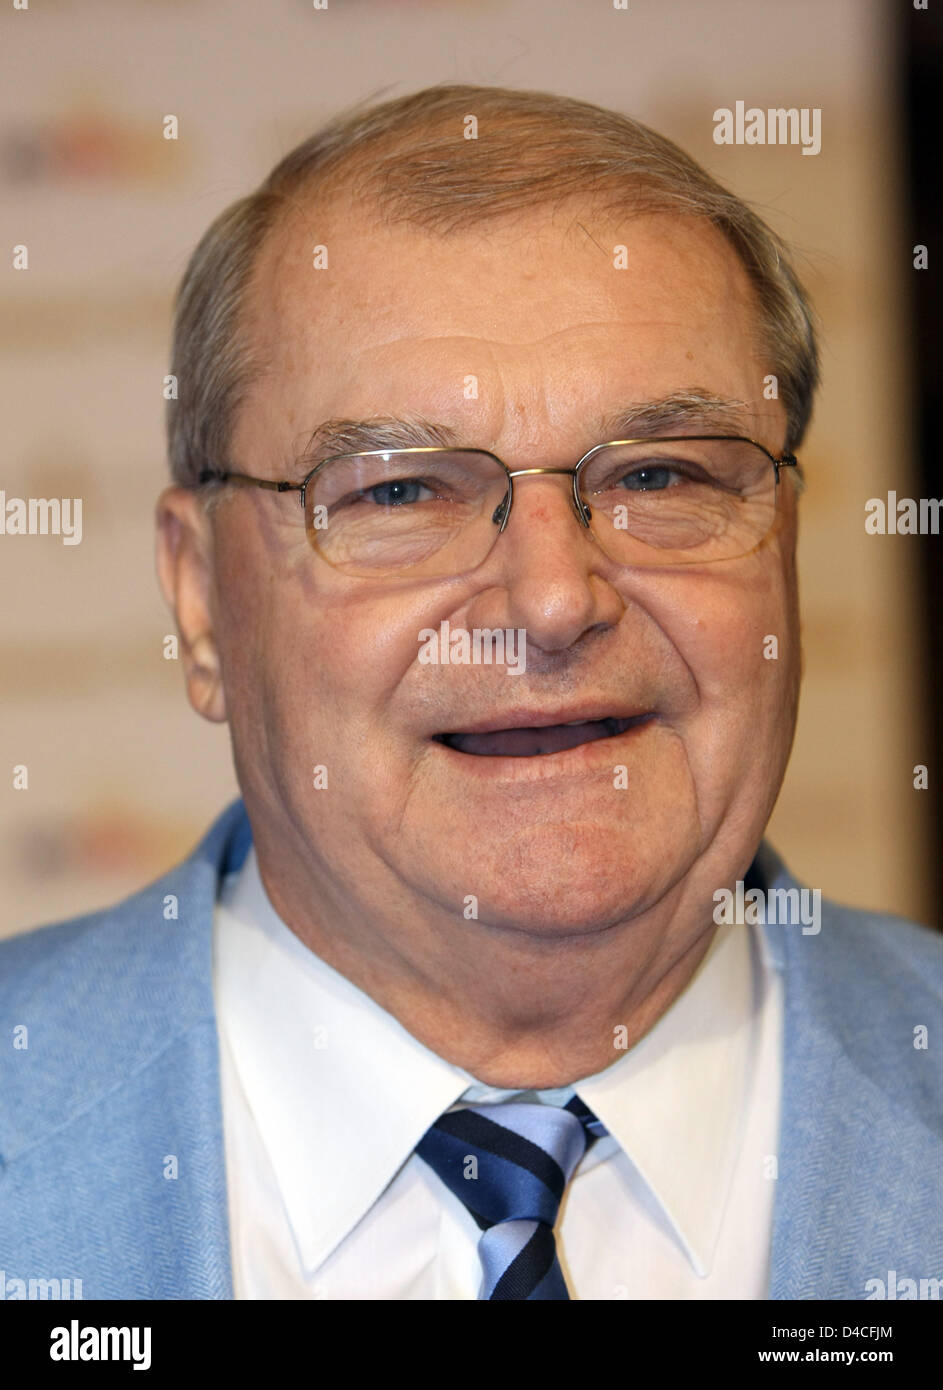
x=398, y=493
x=653, y=478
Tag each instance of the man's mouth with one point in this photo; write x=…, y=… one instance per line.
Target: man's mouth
x=534, y=742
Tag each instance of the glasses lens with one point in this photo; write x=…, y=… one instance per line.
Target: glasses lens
x=425, y=511
x=679, y=501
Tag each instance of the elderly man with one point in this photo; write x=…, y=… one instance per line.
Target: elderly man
x=481, y=540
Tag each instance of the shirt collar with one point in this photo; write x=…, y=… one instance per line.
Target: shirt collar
x=678, y=1100
x=341, y=1093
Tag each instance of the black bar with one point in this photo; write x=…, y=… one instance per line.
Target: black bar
x=921, y=79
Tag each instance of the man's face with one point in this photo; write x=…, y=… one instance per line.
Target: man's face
x=319, y=668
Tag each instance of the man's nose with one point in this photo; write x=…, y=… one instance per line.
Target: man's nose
x=553, y=574
x=580, y=508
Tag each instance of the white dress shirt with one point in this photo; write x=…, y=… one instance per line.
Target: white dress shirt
x=325, y=1096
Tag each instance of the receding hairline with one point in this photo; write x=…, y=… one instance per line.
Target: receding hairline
x=409, y=157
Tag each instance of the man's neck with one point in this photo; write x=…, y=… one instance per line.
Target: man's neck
x=515, y=1010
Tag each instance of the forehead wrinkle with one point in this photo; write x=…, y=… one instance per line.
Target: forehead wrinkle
x=516, y=345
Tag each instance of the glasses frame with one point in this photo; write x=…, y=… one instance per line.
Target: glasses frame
x=502, y=512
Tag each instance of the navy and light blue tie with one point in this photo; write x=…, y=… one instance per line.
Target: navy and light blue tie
x=525, y=1154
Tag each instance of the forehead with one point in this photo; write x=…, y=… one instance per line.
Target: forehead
x=560, y=313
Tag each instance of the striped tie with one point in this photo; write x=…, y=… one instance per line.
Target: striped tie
x=525, y=1155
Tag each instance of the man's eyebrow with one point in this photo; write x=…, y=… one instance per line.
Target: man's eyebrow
x=381, y=432
x=693, y=410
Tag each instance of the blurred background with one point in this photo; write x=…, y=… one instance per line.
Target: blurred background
x=123, y=777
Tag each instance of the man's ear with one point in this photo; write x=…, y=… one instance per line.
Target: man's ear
x=185, y=568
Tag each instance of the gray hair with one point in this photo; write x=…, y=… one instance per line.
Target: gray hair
x=407, y=156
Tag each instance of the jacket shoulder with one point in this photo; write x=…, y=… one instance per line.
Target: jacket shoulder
x=871, y=985
x=97, y=997
x=869, y=952
x=879, y=956
x=50, y=952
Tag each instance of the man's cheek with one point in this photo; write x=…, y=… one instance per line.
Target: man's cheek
x=726, y=658
x=743, y=678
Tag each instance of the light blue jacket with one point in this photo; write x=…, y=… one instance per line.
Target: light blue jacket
x=121, y=1071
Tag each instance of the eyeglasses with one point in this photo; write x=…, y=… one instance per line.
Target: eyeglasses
x=432, y=512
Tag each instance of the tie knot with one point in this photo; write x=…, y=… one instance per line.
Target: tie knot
x=512, y=1161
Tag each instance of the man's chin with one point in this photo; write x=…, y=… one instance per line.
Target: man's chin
x=558, y=894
